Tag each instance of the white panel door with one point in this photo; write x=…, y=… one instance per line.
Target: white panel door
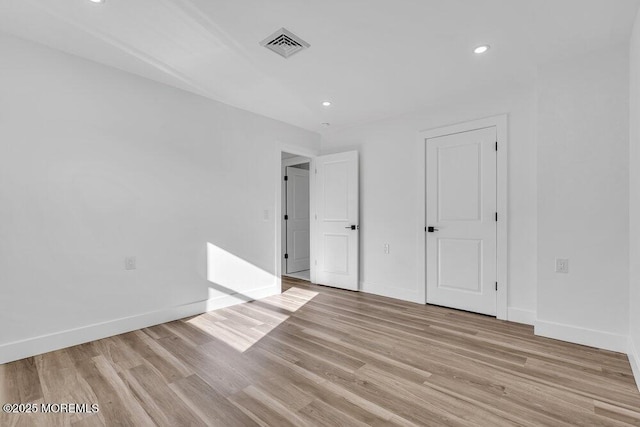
x=297, y=222
x=461, y=220
x=337, y=210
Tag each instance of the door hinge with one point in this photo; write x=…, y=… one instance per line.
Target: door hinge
x=286, y=178
x=496, y=286
x=496, y=145
x=286, y=217
x=286, y=256
x=496, y=216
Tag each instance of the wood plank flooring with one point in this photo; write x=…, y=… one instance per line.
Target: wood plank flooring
x=321, y=356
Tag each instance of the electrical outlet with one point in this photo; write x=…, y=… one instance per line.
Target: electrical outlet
x=562, y=265
x=386, y=248
x=130, y=263
x=265, y=215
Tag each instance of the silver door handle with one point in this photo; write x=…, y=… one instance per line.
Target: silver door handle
x=353, y=227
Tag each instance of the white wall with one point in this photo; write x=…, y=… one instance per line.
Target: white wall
x=568, y=195
x=96, y=165
x=389, y=170
x=634, y=202
x=583, y=210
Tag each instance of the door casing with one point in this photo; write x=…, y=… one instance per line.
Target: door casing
x=292, y=224
x=311, y=156
x=278, y=215
x=500, y=122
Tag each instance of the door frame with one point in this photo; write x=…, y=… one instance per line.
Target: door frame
x=500, y=122
x=293, y=161
x=310, y=154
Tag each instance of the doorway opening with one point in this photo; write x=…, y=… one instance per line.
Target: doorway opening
x=332, y=245
x=296, y=216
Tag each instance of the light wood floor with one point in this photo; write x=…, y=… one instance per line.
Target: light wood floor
x=320, y=356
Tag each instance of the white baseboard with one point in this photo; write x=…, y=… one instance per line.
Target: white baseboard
x=519, y=315
x=589, y=337
x=634, y=359
x=389, y=292
x=45, y=343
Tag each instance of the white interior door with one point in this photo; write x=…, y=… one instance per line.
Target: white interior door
x=337, y=219
x=461, y=216
x=297, y=219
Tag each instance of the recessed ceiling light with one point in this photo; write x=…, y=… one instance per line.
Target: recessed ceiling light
x=326, y=103
x=97, y=1
x=481, y=49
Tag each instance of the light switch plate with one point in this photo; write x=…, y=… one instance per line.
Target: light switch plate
x=130, y=263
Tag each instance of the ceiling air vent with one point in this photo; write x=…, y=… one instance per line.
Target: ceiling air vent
x=284, y=43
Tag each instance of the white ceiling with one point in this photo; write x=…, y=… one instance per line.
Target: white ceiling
x=371, y=58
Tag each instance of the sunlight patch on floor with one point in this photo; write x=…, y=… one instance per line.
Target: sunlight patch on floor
x=238, y=326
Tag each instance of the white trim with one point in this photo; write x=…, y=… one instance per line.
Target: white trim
x=310, y=155
x=391, y=292
x=519, y=315
x=293, y=161
x=500, y=123
x=584, y=336
x=283, y=224
x=634, y=360
x=299, y=151
x=283, y=237
x=45, y=343
x=502, y=180
x=421, y=240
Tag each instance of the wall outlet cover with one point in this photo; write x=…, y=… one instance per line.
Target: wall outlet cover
x=130, y=263
x=562, y=265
